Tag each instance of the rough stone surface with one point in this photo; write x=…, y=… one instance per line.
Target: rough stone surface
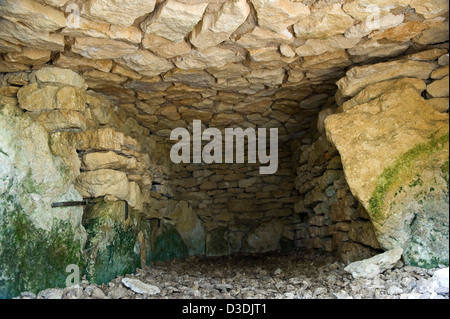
x=389, y=181
x=173, y=20
x=120, y=12
x=370, y=268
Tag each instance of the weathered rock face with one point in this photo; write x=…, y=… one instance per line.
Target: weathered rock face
x=37, y=242
x=394, y=148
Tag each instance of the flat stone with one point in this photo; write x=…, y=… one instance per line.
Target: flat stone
x=174, y=20
x=319, y=46
x=439, y=88
x=122, y=13
x=363, y=9
x=218, y=26
x=33, y=14
x=370, y=268
x=88, y=28
x=29, y=56
x=165, y=48
x=209, y=58
x=63, y=120
x=19, y=34
x=440, y=73
x=277, y=15
x=267, y=76
x=430, y=9
x=439, y=104
x=325, y=23
x=139, y=287
x=361, y=76
x=95, y=48
x=260, y=37
x=79, y=63
x=146, y=63
x=59, y=77
x=101, y=183
x=373, y=91
x=405, y=31
x=433, y=35
x=31, y=98
x=108, y=160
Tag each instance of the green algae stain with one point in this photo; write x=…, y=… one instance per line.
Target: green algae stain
x=33, y=259
x=404, y=165
x=169, y=245
x=111, y=242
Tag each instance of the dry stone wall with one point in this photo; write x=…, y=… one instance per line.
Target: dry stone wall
x=327, y=216
x=238, y=198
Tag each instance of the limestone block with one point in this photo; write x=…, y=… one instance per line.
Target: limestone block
x=405, y=31
x=95, y=48
x=325, y=23
x=29, y=56
x=108, y=160
x=134, y=196
x=212, y=57
x=440, y=73
x=277, y=15
x=359, y=77
x=439, y=104
x=63, y=120
x=364, y=233
x=433, y=35
x=80, y=63
x=58, y=76
x=118, y=12
x=369, y=268
x=261, y=37
x=408, y=159
x=31, y=98
x=19, y=34
x=88, y=28
x=103, y=182
x=165, y=48
x=439, y=88
x=218, y=26
x=267, y=76
x=373, y=91
x=146, y=63
x=36, y=16
x=174, y=20
x=430, y=9
x=331, y=44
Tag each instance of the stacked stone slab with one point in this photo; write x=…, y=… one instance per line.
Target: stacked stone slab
x=327, y=215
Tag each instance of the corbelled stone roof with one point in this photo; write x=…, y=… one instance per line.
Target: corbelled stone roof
x=241, y=62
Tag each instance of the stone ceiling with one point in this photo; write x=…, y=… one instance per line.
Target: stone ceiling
x=248, y=63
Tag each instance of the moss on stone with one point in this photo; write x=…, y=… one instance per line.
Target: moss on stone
x=404, y=166
x=217, y=243
x=445, y=174
x=33, y=259
x=169, y=245
x=111, y=242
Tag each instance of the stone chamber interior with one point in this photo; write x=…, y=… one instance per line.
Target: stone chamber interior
x=90, y=91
